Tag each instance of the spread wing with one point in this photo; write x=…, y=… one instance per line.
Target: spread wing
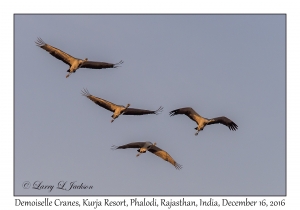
x=99, y=101
x=57, y=53
x=130, y=145
x=164, y=155
x=225, y=121
x=188, y=111
x=133, y=111
x=99, y=65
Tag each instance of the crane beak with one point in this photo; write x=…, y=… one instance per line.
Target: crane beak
x=112, y=120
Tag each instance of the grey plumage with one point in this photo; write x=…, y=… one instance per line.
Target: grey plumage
x=148, y=146
x=118, y=109
x=74, y=63
x=201, y=121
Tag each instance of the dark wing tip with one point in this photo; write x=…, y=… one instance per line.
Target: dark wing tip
x=174, y=112
x=85, y=92
x=232, y=126
x=159, y=110
x=114, y=147
x=225, y=121
x=116, y=65
x=40, y=42
x=178, y=166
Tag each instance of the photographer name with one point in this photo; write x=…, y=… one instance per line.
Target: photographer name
x=62, y=185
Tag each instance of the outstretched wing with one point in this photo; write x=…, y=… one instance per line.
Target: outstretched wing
x=99, y=65
x=187, y=111
x=101, y=102
x=133, y=111
x=225, y=121
x=130, y=145
x=57, y=53
x=164, y=155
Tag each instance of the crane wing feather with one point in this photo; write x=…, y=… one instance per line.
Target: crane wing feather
x=225, y=121
x=164, y=155
x=134, y=111
x=57, y=53
x=99, y=101
x=187, y=111
x=130, y=145
x=99, y=65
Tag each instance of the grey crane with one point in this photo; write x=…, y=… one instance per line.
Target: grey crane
x=118, y=109
x=148, y=146
x=74, y=63
x=201, y=121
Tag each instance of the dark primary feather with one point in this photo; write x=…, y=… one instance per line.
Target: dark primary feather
x=151, y=148
x=130, y=145
x=187, y=111
x=99, y=65
x=164, y=155
x=99, y=101
x=57, y=53
x=193, y=115
x=133, y=111
x=225, y=121
x=68, y=59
